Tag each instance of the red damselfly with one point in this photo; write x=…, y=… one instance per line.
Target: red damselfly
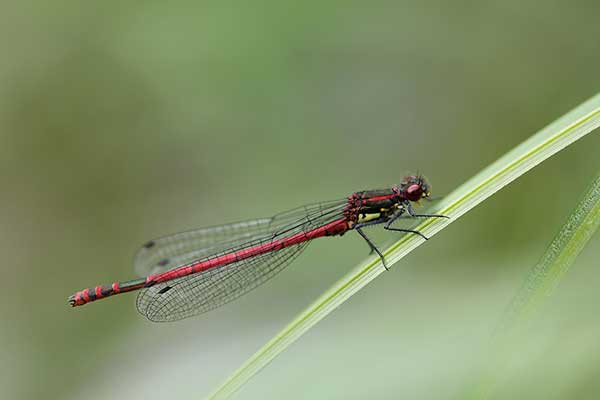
x=193, y=272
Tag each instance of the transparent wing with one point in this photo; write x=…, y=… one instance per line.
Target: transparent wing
x=171, y=251
x=168, y=252
x=198, y=293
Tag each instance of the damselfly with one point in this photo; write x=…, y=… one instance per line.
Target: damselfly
x=193, y=272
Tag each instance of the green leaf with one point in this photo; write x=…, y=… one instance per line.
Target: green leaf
x=547, y=142
x=538, y=286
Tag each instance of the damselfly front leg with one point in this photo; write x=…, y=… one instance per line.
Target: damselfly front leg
x=399, y=213
x=411, y=212
x=388, y=220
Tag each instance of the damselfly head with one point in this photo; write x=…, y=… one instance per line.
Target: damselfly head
x=415, y=187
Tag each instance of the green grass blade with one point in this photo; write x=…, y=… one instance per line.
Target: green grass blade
x=539, y=284
x=557, y=259
x=547, y=142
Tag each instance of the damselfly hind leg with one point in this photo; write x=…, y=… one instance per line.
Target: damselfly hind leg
x=370, y=243
x=389, y=220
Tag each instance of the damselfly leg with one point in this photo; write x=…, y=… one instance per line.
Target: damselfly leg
x=388, y=220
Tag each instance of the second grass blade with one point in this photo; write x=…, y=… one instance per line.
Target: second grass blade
x=539, y=284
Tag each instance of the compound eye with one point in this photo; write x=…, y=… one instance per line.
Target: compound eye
x=414, y=192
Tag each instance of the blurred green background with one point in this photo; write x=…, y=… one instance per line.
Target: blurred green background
x=123, y=121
